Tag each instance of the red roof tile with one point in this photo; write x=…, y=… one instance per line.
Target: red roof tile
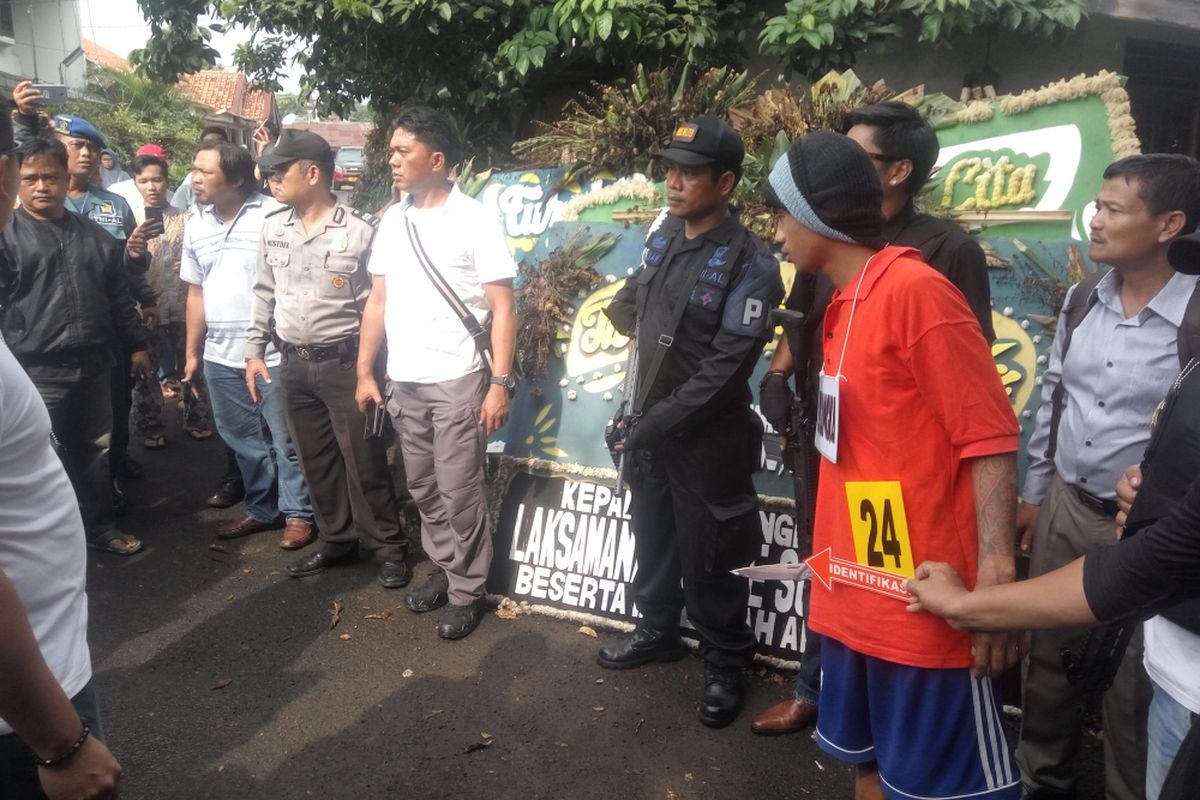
x=229, y=91
x=105, y=57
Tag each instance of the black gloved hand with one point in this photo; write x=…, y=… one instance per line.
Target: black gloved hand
x=775, y=400
x=645, y=434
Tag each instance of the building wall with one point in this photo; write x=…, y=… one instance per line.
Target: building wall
x=45, y=33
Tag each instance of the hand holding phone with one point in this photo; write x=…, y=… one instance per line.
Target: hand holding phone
x=373, y=428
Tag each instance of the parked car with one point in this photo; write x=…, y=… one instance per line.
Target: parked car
x=347, y=167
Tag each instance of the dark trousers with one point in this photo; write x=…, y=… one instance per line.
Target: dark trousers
x=695, y=517
x=121, y=387
x=349, y=483
x=18, y=773
x=81, y=418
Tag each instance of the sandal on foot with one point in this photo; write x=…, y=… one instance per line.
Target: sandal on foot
x=117, y=543
x=198, y=434
x=154, y=442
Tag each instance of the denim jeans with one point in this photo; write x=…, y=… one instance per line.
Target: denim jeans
x=1166, y=726
x=270, y=469
x=808, y=678
x=18, y=774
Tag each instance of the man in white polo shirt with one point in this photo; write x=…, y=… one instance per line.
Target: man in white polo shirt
x=443, y=398
x=220, y=262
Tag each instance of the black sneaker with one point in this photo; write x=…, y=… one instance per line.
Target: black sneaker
x=458, y=621
x=432, y=595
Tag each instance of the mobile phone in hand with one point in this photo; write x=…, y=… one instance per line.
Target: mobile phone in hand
x=154, y=214
x=53, y=94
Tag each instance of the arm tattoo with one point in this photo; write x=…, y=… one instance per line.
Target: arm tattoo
x=994, y=479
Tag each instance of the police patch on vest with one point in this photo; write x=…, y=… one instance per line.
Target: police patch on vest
x=706, y=296
x=758, y=290
x=338, y=281
x=659, y=242
x=717, y=259
x=107, y=219
x=717, y=277
x=652, y=257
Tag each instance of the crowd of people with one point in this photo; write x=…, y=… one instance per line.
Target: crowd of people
x=297, y=327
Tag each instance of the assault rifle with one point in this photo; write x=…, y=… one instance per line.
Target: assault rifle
x=802, y=419
x=618, y=428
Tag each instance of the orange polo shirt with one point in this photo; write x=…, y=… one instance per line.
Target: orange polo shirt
x=921, y=398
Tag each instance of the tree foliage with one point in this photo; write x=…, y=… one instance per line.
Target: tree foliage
x=494, y=64
x=489, y=62
x=814, y=36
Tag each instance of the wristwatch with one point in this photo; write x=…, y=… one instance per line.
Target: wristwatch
x=507, y=381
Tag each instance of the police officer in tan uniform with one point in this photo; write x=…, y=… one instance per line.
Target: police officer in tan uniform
x=311, y=287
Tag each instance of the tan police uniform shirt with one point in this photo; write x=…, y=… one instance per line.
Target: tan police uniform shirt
x=314, y=285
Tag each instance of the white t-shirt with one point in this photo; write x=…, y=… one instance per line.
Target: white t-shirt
x=43, y=548
x=427, y=342
x=1171, y=655
x=223, y=260
x=128, y=189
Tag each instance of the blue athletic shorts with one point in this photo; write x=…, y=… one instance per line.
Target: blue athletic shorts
x=935, y=733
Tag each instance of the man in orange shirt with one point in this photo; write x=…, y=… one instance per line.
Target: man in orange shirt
x=918, y=448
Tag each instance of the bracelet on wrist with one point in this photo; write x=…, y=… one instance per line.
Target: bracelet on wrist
x=72, y=750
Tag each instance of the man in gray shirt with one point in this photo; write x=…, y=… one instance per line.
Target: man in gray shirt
x=1120, y=364
x=311, y=287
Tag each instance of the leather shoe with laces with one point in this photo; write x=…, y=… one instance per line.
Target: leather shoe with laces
x=394, y=574
x=228, y=493
x=641, y=647
x=724, y=691
x=433, y=594
x=458, y=621
x=318, y=562
x=787, y=717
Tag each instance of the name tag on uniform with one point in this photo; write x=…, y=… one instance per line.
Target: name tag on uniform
x=827, y=416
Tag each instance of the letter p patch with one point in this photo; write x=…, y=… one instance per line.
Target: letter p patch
x=752, y=311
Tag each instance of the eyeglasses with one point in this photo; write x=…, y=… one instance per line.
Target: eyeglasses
x=881, y=158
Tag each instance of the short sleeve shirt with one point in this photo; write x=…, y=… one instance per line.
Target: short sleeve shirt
x=223, y=260
x=427, y=343
x=920, y=397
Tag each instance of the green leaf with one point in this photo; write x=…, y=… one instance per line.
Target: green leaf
x=444, y=11
x=604, y=24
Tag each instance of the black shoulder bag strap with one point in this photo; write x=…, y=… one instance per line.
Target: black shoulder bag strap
x=1082, y=300
x=479, y=334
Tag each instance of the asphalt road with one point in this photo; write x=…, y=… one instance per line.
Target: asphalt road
x=220, y=677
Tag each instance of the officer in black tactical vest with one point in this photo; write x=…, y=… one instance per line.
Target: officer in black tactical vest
x=698, y=311
x=311, y=287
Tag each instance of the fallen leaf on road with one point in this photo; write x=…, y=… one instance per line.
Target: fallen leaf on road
x=221, y=684
x=380, y=615
x=408, y=673
x=335, y=615
x=588, y=631
x=345, y=637
x=247, y=570
x=433, y=713
x=599, y=680
x=597, y=708
x=485, y=735
x=473, y=746
x=506, y=612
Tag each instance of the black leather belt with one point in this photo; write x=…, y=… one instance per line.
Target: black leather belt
x=322, y=352
x=1098, y=504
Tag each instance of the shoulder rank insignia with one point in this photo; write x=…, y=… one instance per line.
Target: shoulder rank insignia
x=366, y=217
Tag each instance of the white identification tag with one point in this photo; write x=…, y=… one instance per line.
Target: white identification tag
x=827, y=416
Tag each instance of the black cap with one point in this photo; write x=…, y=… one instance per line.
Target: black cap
x=705, y=140
x=1184, y=254
x=294, y=145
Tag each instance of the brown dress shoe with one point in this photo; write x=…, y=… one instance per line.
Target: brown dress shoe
x=787, y=717
x=296, y=534
x=245, y=526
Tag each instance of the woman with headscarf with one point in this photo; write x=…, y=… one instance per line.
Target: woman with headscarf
x=110, y=169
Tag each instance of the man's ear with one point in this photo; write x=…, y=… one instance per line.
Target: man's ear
x=726, y=183
x=437, y=161
x=900, y=172
x=1171, y=225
